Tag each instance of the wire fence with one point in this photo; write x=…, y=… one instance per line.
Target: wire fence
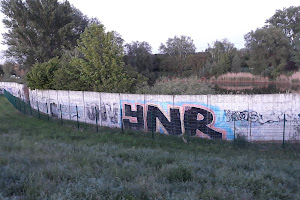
x=27, y=109
x=190, y=126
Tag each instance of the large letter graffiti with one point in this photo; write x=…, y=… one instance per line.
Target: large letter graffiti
x=172, y=126
x=197, y=121
x=200, y=119
x=136, y=119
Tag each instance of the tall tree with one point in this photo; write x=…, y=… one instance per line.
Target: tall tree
x=296, y=53
x=39, y=30
x=269, y=50
x=177, y=49
x=101, y=64
x=8, y=68
x=289, y=20
x=222, y=53
x=139, y=56
x=236, y=64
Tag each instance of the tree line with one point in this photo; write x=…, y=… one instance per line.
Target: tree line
x=60, y=48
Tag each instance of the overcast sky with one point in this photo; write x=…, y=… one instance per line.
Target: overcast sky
x=155, y=21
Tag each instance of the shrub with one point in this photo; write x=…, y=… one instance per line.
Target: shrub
x=181, y=174
x=176, y=86
x=240, y=141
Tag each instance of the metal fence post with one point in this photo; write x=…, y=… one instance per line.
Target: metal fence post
x=187, y=126
x=62, y=122
x=234, y=138
x=122, y=128
x=38, y=110
x=77, y=117
x=16, y=104
x=152, y=126
x=47, y=111
x=283, y=131
x=30, y=108
x=24, y=107
x=96, y=119
x=234, y=128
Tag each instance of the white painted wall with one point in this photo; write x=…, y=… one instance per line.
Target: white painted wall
x=257, y=117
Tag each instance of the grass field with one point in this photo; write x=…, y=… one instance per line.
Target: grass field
x=45, y=160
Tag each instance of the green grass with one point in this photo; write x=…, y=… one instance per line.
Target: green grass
x=45, y=160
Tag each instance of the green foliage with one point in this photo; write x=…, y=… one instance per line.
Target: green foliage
x=236, y=64
x=40, y=30
x=181, y=174
x=296, y=53
x=269, y=48
x=288, y=19
x=177, y=48
x=139, y=56
x=181, y=46
x=8, y=68
x=42, y=74
x=240, y=141
x=222, y=54
x=96, y=65
x=101, y=65
x=67, y=76
x=186, y=86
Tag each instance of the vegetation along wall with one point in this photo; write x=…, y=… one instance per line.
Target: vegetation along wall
x=257, y=117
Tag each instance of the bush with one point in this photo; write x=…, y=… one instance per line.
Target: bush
x=186, y=86
x=181, y=174
x=240, y=141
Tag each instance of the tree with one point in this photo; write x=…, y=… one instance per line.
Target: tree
x=139, y=56
x=296, y=53
x=41, y=75
x=177, y=49
x=8, y=68
x=288, y=20
x=39, y=30
x=222, y=54
x=236, y=64
x=269, y=50
x=178, y=46
x=101, y=64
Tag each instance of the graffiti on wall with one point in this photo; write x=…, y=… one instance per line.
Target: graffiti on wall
x=92, y=111
x=192, y=119
x=53, y=110
x=261, y=118
x=109, y=112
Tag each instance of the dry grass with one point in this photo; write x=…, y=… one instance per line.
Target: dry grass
x=239, y=77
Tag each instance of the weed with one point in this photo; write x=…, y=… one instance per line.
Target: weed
x=181, y=174
x=240, y=141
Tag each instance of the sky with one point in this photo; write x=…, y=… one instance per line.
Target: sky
x=154, y=21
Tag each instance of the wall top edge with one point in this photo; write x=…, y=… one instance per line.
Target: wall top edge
x=2, y=84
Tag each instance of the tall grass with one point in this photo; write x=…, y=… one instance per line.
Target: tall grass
x=239, y=77
x=44, y=160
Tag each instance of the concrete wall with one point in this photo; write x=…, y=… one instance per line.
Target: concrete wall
x=257, y=117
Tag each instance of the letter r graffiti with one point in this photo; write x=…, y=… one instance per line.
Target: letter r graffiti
x=192, y=122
